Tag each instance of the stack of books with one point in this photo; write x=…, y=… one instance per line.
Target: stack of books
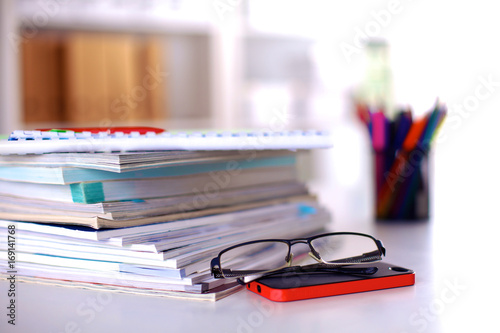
x=146, y=222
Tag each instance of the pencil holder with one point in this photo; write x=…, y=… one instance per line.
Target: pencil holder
x=402, y=192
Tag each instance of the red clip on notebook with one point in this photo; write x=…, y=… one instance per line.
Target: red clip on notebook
x=110, y=130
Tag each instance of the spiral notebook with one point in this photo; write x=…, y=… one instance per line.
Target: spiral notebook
x=152, y=139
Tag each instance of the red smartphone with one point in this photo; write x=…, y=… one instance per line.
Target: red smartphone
x=297, y=286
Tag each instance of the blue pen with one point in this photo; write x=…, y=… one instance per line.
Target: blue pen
x=392, y=133
x=402, y=128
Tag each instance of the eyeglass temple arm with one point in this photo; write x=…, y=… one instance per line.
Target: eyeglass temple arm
x=339, y=269
x=218, y=273
x=380, y=246
x=362, y=258
x=229, y=273
x=326, y=268
x=365, y=257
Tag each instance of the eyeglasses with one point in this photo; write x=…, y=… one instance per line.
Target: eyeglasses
x=330, y=251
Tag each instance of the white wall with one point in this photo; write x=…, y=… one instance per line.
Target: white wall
x=444, y=49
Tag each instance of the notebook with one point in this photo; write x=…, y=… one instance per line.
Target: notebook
x=39, y=142
x=94, y=192
x=71, y=175
x=134, y=161
x=128, y=209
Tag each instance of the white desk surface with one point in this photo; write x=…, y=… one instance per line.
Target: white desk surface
x=454, y=291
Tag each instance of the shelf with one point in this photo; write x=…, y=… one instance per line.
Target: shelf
x=212, y=60
x=109, y=18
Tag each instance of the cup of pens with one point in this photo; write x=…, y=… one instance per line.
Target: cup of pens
x=401, y=149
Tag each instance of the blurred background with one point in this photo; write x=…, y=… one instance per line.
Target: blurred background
x=268, y=65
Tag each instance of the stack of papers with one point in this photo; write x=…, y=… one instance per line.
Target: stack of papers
x=146, y=222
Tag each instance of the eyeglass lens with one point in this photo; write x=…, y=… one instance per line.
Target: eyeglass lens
x=346, y=249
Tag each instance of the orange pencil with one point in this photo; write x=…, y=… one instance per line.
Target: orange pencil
x=396, y=175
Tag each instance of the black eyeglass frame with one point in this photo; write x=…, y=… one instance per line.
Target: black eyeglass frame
x=217, y=271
